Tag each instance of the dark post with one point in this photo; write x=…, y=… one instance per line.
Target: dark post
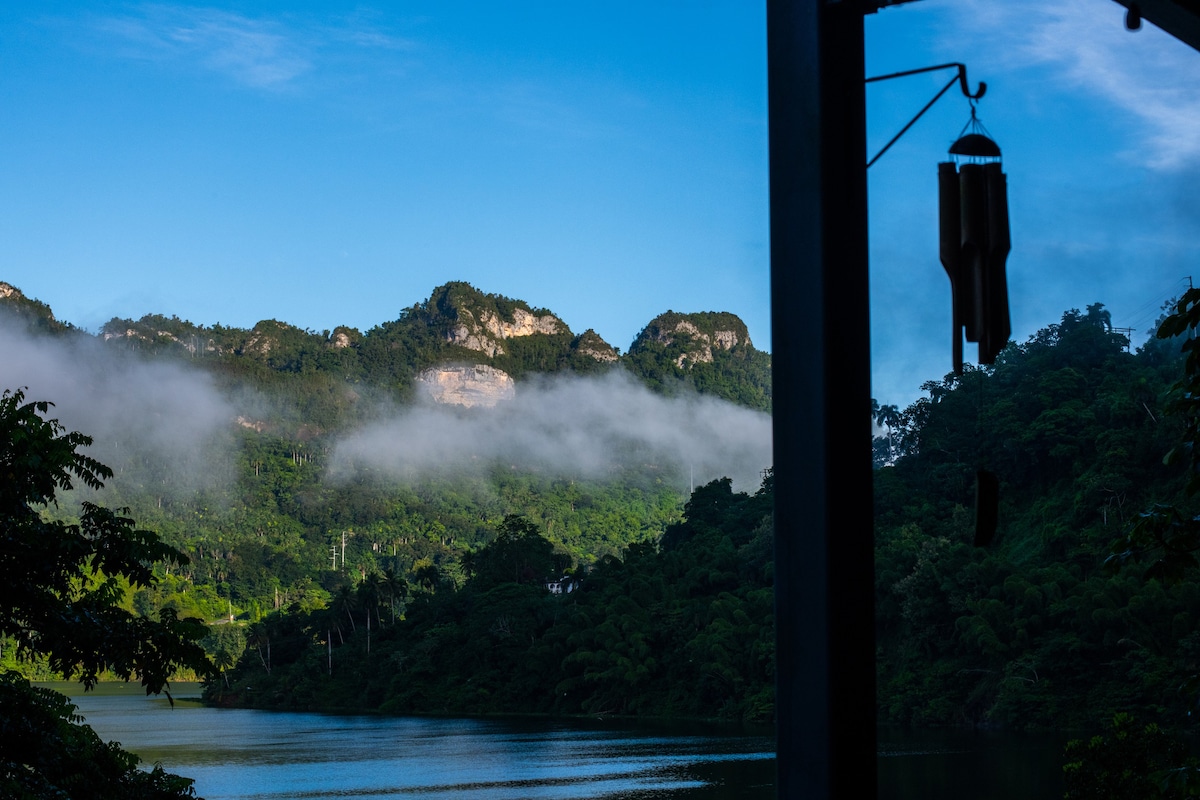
x=824, y=579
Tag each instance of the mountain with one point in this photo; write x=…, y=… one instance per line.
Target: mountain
x=709, y=352
x=291, y=465
x=458, y=326
x=253, y=449
x=34, y=313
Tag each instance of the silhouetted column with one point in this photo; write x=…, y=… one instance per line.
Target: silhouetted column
x=824, y=582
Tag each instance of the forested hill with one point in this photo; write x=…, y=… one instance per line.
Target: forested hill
x=681, y=627
x=1041, y=628
x=709, y=353
x=290, y=465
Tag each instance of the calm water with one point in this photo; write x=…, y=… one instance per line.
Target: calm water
x=956, y=764
x=272, y=756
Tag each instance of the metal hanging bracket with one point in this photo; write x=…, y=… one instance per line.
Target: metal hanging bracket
x=961, y=77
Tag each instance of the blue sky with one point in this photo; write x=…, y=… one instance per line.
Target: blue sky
x=330, y=163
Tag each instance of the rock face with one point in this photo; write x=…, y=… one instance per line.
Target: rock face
x=590, y=344
x=470, y=386
x=485, y=333
x=265, y=337
x=256, y=425
x=343, y=337
x=694, y=335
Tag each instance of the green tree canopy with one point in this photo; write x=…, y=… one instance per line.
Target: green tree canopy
x=60, y=589
x=60, y=583
x=518, y=554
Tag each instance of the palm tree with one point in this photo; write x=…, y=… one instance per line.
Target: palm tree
x=394, y=587
x=888, y=416
x=345, y=601
x=330, y=619
x=427, y=574
x=368, y=597
x=259, y=636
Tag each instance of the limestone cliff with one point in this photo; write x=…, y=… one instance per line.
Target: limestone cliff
x=501, y=340
x=343, y=337
x=471, y=386
x=484, y=330
x=267, y=336
x=482, y=322
x=590, y=345
x=692, y=337
x=709, y=353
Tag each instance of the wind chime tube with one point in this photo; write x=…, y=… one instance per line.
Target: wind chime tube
x=999, y=324
x=950, y=250
x=973, y=205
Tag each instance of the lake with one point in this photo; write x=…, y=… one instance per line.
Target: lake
x=234, y=753
x=262, y=755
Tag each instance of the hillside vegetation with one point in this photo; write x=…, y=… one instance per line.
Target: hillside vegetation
x=681, y=627
x=270, y=517
x=1042, y=628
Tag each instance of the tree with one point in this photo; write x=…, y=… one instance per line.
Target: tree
x=344, y=600
x=227, y=643
x=259, y=637
x=518, y=554
x=1167, y=536
x=1128, y=761
x=60, y=589
x=394, y=587
x=888, y=417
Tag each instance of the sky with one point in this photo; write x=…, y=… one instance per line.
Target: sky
x=328, y=163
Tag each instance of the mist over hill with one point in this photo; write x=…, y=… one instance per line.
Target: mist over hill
x=286, y=461
x=583, y=427
x=166, y=392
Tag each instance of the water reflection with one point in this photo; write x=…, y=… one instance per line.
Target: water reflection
x=244, y=755
x=265, y=756
x=983, y=765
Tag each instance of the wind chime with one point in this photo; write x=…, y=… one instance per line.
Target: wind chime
x=974, y=245
x=974, y=241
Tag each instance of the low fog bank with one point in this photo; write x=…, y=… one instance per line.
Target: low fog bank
x=568, y=426
x=168, y=429
x=154, y=422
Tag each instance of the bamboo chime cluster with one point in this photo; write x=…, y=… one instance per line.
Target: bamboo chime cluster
x=974, y=243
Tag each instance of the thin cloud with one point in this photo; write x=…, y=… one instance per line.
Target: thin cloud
x=262, y=53
x=257, y=53
x=1148, y=74
x=365, y=38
